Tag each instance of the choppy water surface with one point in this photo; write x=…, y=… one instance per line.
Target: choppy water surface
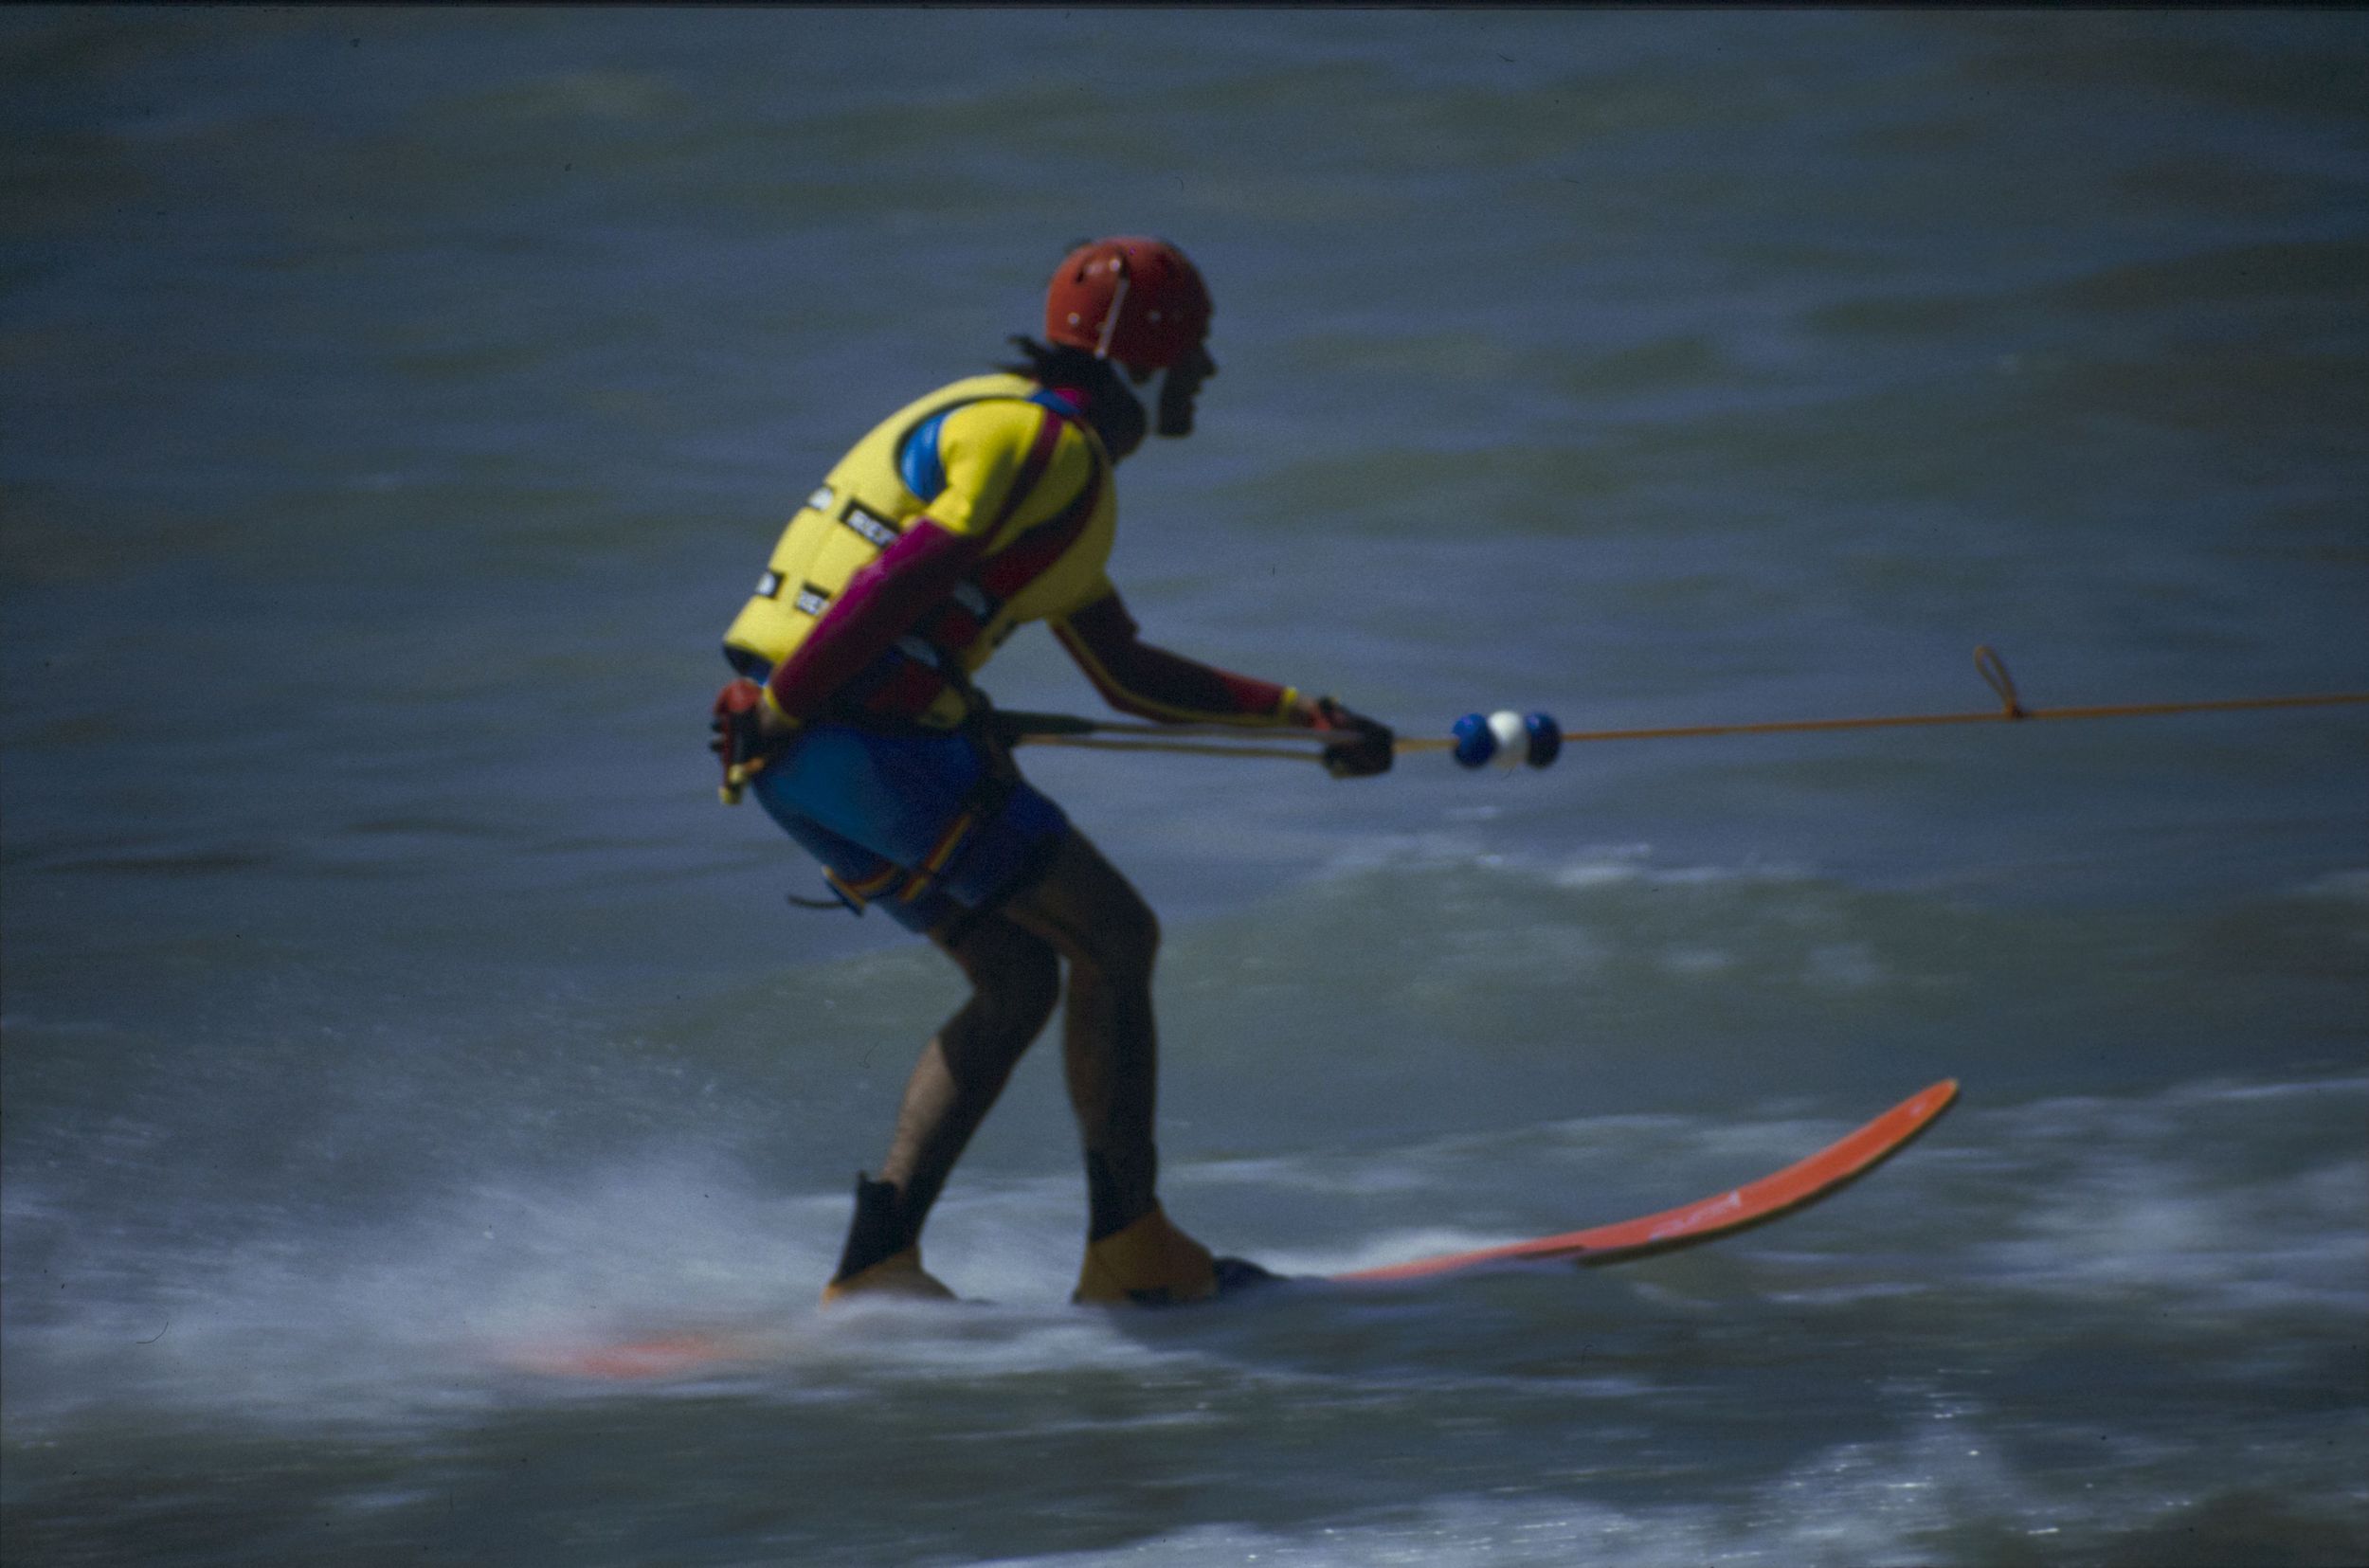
x=398, y=403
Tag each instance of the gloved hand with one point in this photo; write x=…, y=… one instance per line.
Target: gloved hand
x=1366, y=747
x=739, y=744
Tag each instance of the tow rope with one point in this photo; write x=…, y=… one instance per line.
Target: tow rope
x=1064, y=729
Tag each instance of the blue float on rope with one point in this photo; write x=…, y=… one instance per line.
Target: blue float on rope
x=1545, y=738
x=1475, y=745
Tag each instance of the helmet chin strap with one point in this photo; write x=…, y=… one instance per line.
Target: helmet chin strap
x=1111, y=319
x=1118, y=415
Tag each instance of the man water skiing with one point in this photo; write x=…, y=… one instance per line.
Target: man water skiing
x=981, y=507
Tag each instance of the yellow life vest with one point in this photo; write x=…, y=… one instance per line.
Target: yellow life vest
x=1051, y=542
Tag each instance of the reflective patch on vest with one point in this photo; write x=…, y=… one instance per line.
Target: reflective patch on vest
x=876, y=529
x=811, y=599
x=769, y=584
x=821, y=498
x=922, y=652
x=971, y=597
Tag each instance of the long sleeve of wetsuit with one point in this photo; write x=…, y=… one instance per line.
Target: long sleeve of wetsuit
x=879, y=605
x=978, y=471
x=1136, y=677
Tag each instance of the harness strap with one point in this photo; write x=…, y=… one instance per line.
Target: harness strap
x=983, y=803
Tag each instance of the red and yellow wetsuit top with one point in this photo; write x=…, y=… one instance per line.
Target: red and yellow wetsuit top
x=964, y=515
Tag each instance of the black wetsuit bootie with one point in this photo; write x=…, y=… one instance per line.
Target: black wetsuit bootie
x=881, y=1256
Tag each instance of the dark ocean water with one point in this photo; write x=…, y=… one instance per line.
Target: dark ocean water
x=394, y=405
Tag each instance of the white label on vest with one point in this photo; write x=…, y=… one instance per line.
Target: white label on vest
x=879, y=531
x=811, y=599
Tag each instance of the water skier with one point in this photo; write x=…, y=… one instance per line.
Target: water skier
x=983, y=506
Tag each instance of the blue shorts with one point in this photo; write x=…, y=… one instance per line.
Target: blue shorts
x=922, y=823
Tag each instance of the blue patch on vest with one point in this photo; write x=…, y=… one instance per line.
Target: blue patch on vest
x=917, y=462
x=918, y=465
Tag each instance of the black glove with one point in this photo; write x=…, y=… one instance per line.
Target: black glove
x=1366, y=747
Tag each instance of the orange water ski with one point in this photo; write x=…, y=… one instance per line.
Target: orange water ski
x=632, y=1361
x=1723, y=1214
x=685, y=1354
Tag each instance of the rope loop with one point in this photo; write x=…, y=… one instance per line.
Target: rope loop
x=1994, y=671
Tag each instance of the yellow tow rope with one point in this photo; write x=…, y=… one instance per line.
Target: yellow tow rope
x=1116, y=736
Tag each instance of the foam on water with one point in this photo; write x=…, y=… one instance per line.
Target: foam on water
x=421, y=1320
x=2237, y=1200
x=1945, y=1494
x=2128, y=1214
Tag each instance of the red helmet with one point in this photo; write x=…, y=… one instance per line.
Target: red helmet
x=1129, y=298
